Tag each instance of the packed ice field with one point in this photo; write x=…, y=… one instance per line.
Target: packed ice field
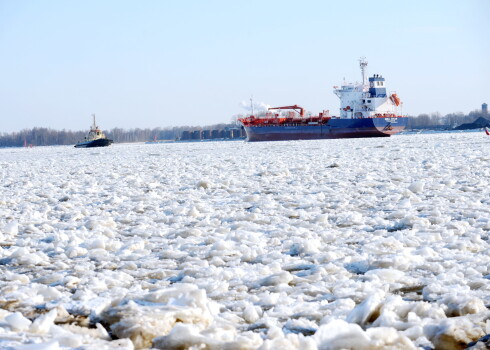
x=332, y=244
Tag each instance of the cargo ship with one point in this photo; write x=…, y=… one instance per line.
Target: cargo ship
x=366, y=110
x=95, y=138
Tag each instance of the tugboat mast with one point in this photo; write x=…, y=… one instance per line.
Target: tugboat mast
x=94, y=126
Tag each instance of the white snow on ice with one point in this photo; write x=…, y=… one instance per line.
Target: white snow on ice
x=336, y=244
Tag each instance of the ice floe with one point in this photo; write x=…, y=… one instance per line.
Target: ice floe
x=334, y=244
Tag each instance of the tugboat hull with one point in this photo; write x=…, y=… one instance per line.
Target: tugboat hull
x=94, y=143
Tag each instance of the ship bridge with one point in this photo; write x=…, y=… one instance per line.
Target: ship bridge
x=377, y=86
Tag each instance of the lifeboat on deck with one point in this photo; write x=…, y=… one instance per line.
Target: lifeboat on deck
x=395, y=99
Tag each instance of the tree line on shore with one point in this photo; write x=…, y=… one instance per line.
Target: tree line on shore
x=46, y=137
x=446, y=122
x=49, y=137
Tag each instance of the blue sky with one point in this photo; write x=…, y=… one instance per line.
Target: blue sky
x=171, y=63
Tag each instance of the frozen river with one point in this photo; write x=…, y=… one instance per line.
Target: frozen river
x=336, y=244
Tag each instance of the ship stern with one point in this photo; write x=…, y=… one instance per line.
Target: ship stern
x=390, y=125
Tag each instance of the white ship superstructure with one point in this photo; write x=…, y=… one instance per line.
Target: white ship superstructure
x=367, y=100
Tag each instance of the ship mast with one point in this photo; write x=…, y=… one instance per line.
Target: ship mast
x=363, y=64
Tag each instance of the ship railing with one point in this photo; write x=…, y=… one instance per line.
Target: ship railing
x=293, y=124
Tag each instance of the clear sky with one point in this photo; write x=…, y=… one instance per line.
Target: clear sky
x=171, y=63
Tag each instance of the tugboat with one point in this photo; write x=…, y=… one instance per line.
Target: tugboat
x=366, y=110
x=95, y=138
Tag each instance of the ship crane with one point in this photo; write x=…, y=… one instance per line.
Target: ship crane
x=295, y=108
